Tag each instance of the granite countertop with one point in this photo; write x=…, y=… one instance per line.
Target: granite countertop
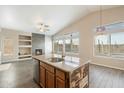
x=65, y=65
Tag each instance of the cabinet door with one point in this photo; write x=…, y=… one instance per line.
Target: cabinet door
x=42, y=76
x=50, y=79
x=60, y=83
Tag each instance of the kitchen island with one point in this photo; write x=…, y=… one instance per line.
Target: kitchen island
x=63, y=74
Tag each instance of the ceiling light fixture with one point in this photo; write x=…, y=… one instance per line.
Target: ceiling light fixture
x=43, y=27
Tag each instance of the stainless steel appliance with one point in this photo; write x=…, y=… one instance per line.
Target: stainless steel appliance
x=36, y=71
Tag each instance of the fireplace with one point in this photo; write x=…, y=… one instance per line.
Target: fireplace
x=38, y=51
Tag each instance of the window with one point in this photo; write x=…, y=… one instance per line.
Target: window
x=60, y=46
x=8, y=47
x=102, y=45
x=68, y=44
x=55, y=46
x=75, y=45
x=117, y=44
x=111, y=42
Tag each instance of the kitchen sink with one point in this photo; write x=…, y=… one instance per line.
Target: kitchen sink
x=55, y=59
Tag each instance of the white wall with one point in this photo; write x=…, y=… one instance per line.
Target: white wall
x=48, y=44
x=86, y=25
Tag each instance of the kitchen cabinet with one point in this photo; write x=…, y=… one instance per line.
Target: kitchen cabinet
x=53, y=77
x=47, y=77
x=60, y=78
x=42, y=76
x=50, y=79
x=60, y=83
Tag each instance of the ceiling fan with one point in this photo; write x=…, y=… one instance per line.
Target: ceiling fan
x=43, y=27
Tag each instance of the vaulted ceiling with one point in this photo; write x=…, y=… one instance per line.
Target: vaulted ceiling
x=26, y=18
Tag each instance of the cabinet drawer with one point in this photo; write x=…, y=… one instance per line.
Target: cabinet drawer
x=60, y=74
x=49, y=68
x=42, y=76
x=42, y=64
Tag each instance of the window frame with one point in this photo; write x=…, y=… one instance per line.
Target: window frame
x=108, y=54
x=110, y=49
x=64, y=38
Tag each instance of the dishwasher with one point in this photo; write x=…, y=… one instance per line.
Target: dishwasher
x=36, y=71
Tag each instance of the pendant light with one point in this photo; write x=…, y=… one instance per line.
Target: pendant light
x=100, y=15
x=100, y=28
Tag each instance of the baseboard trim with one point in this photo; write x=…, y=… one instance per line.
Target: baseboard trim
x=107, y=66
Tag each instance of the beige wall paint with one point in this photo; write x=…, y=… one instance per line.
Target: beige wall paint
x=13, y=35
x=86, y=25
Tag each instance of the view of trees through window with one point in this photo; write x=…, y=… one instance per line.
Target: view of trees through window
x=75, y=45
x=110, y=44
x=117, y=44
x=55, y=46
x=69, y=44
x=58, y=46
x=102, y=45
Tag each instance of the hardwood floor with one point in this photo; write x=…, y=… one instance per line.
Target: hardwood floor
x=18, y=75
x=103, y=77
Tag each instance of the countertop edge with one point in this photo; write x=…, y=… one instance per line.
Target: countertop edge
x=74, y=68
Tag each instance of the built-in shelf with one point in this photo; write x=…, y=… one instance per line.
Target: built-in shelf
x=25, y=40
x=25, y=47
x=24, y=37
x=25, y=55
